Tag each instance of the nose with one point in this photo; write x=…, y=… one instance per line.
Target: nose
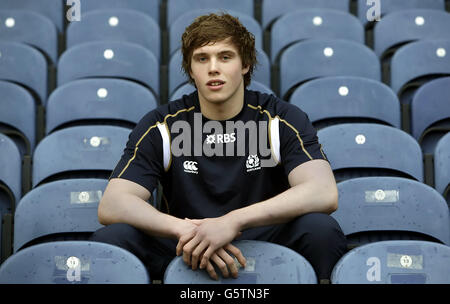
x=213, y=67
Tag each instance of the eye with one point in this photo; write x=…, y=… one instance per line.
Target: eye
x=226, y=57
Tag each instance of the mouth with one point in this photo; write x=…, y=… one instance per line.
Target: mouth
x=215, y=84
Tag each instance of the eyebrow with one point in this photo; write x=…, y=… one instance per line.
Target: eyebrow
x=225, y=52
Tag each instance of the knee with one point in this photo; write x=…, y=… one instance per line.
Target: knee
x=319, y=226
x=114, y=234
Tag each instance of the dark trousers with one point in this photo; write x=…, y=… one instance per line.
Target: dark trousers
x=316, y=236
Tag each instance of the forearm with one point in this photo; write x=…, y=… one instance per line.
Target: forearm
x=130, y=209
x=297, y=200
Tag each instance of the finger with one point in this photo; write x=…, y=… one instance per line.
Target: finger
x=229, y=261
x=221, y=265
x=188, y=249
x=207, y=255
x=237, y=253
x=183, y=240
x=210, y=270
x=196, y=254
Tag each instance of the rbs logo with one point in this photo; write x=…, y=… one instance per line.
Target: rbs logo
x=220, y=138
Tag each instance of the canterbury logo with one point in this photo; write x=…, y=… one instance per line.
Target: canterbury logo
x=190, y=167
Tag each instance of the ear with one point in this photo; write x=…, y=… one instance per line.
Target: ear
x=245, y=69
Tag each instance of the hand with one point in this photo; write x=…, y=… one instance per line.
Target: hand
x=225, y=262
x=210, y=235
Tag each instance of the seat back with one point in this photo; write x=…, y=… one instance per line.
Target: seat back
x=85, y=151
x=266, y=263
x=10, y=174
x=361, y=149
x=394, y=262
x=316, y=58
x=313, y=23
x=442, y=167
x=332, y=100
x=112, y=101
x=73, y=262
x=114, y=59
x=383, y=208
x=65, y=207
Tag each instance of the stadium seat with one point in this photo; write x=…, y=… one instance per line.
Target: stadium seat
x=422, y=59
x=389, y=6
x=82, y=151
x=430, y=113
x=333, y=100
x=391, y=208
x=316, y=58
x=30, y=28
x=10, y=174
x=18, y=116
x=266, y=263
x=272, y=9
x=52, y=9
x=313, y=23
x=410, y=25
x=442, y=167
x=177, y=28
x=109, y=101
x=23, y=64
x=73, y=262
x=362, y=149
x=176, y=8
x=116, y=25
x=149, y=7
x=394, y=262
x=178, y=78
x=60, y=210
x=188, y=88
x=114, y=59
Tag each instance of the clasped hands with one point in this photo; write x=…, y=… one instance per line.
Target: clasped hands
x=208, y=241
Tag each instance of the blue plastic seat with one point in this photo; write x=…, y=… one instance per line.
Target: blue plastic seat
x=188, y=88
x=272, y=9
x=391, y=208
x=389, y=6
x=73, y=262
x=333, y=100
x=111, y=101
x=410, y=25
x=430, y=113
x=394, y=262
x=116, y=25
x=178, y=26
x=18, y=116
x=114, y=59
x=52, y=9
x=10, y=175
x=416, y=63
x=177, y=78
x=266, y=263
x=23, y=64
x=31, y=28
x=175, y=8
x=149, y=7
x=316, y=58
x=313, y=23
x=442, y=167
x=86, y=151
x=362, y=149
x=60, y=209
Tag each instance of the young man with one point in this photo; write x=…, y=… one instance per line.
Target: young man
x=257, y=173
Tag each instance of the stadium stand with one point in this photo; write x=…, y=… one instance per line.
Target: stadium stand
x=394, y=262
x=368, y=149
x=313, y=23
x=383, y=208
x=325, y=57
x=116, y=25
x=347, y=99
x=30, y=28
x=267, y=263
x=23, y=64
x=81, y=151
x=73, y=262
x=56, y=211
x=442, y=167
x=98, y=101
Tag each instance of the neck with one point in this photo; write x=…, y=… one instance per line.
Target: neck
x=223, y=110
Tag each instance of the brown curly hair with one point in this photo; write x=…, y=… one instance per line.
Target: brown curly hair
x=213, y=28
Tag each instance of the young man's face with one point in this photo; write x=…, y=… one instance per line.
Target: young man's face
x=218, y=72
